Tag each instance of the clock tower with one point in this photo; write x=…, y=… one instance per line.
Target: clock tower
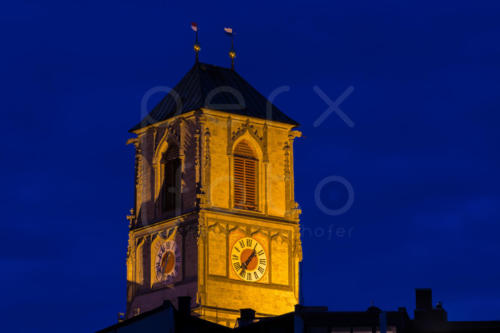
x=215, y=216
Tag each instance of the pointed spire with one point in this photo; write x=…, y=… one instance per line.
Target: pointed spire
x=196, y=45
x=232, y=53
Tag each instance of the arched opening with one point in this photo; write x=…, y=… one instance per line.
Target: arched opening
x=171, y=180
x=245, y=176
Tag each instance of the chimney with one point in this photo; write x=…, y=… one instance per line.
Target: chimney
x=425, y=314
x=247, y=316
x=184, y=305
x=423, y=298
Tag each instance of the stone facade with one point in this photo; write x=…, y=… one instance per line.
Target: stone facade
x=205, y=221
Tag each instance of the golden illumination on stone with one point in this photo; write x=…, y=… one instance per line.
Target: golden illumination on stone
x=210, y=230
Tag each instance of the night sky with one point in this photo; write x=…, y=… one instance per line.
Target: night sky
x=422, y=157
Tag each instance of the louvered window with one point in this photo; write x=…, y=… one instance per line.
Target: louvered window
x=170, y=191
x=245, y=177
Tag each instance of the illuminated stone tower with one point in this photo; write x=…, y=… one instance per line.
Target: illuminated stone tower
x=215, y=216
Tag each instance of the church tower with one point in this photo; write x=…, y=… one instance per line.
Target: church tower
x=215, y=216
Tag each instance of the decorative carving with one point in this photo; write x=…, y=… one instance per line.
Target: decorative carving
x=287, y=178
x=281, y=236
x=155, y=133
x=293, y=210
x=166, y=233
x=230, y=230
x=134, y=141
x=130, y=248
x=244, y=128
x=264, y=144
x=248, y=230
x=201, y=233
x=173, y=132
x=297, y=246
x=138, y=166
x=131, y=218
x=287, y=171
x=247, y=127
x=294, y=134
x=204, y=193
x=139, y=241
x=170, y=135
x=198, y=157
x=296, y=211
x=259, y=230
x=229, y=143
x=218, y=228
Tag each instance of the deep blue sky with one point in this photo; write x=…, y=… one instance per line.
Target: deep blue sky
x=422, y=157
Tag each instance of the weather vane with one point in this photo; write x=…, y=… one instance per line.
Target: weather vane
x=232, y=53
x=196, y=46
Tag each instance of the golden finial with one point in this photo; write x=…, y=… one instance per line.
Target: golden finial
x=232, y=55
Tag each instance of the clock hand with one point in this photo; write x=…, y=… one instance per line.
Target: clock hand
x=245, y=264
x=163, y=263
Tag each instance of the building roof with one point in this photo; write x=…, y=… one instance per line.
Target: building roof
x=308, y=319
x=165, y=318
x=304, y=319
x=217, y=88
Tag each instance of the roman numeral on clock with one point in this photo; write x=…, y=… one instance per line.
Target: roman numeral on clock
x=262, y=261
x=249, y=276
x=237, y=266
x=260, y=253
x=261, y=269
x=249, y=242
x=242, y=243
x=235, y=257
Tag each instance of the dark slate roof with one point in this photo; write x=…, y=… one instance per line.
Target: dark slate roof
x=226, y=91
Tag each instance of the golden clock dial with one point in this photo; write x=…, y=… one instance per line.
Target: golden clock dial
x=248, y=259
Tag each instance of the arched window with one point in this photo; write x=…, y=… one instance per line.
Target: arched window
x=170, y=190
x=245, y=177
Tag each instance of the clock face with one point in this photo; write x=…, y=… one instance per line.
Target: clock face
x=166, y=261
x=248, y=259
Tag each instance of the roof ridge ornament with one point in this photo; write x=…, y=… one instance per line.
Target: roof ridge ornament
x=232, y=52
x=196, y=46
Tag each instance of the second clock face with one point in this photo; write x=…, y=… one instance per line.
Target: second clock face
x=248, y=259
x=167, y=260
